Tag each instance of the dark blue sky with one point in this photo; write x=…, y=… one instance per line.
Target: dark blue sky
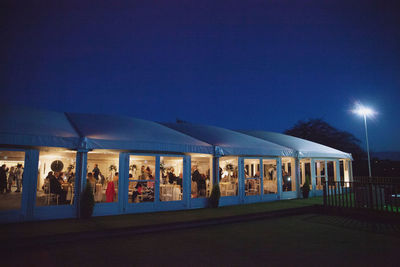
x=235, y=64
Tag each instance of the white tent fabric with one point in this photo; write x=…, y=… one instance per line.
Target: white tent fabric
x=121, y=132
x=229, y=142
x=24, y=126
x=304, y=148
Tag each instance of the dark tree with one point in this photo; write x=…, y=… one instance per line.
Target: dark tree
x=319, y=131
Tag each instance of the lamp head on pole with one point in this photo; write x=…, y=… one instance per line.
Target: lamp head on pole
x=363, y=111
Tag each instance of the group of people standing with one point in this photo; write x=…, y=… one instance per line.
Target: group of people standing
x=11, y=176
x=96, y=177
x=199, y=184
x=143, y=188
x=172, y=178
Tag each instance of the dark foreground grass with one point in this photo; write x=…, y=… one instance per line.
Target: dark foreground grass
x=48, y=228
x=306, y=240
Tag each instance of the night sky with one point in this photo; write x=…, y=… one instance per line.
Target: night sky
x=257, y=65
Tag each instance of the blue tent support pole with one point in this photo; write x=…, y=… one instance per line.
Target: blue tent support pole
x=80, y=178
x=29, y=183
x=326, y=171
x=187, y=179
x=279, y=177
x=297, y=173
x=157, y=184
x=216, y=170
x=313, y=178
x=326, y=176
x=123, y=183
x=338, y=176
x=241, y=185
x=261, y=178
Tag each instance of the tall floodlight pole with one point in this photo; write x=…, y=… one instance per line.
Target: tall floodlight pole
x=363, y=111
x=366, y=138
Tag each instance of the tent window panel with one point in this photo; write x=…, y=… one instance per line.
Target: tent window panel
x=341, y=169
x=201, y=180
x=171, y=178
x=252, y=179
x=305, y=171
x=332, y=177
x=56, y=177
x=320, y=173
x=141, y=179
x=270, y=176
x=11, y=173
x=228, y=173
x=288, y=175
x=103, y=176
x=344, y=172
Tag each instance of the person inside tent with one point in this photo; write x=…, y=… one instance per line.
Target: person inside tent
x=96, y=172
x=56, y=188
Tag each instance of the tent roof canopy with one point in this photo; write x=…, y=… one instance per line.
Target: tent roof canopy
x=304, y=148
x=122, y=132
x=23, y=126
x=33, y=127
x=230, y=142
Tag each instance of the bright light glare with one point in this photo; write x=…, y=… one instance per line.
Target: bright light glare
x=363, y=111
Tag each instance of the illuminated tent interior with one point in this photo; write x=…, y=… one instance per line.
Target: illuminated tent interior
x=330, y=161
x=258, y=155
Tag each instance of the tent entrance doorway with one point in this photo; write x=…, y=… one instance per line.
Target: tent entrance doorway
x=288, y=178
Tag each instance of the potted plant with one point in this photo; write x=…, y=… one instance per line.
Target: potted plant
x=306, y=187
x=87, y=202
x=214, y=197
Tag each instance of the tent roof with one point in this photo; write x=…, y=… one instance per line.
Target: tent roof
x=122, y=132
x=25, y=126
x=32, y=127
x=304, y=148
x=230, y=142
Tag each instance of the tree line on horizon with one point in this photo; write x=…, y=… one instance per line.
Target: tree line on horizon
x=319, y=131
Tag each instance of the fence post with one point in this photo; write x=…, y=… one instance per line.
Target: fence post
x=390, y=197
x=375, y=187
x=381, y=199
x=370, y=196
x=352, y=195
x=356, y=198
x=341, y=194
x=334, y=191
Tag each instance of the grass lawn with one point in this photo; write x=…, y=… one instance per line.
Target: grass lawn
x=44, y=228
x=314, y=240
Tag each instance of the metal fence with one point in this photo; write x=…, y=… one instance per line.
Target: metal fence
x=364, y=193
